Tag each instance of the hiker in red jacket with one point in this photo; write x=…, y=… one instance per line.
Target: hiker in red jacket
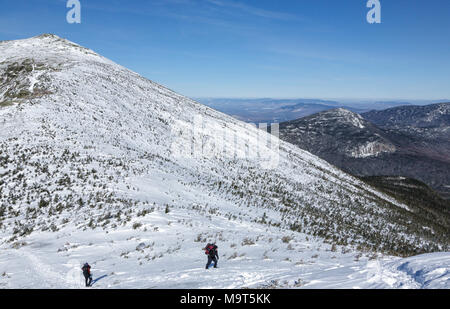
x=213, y=255
x=87, y=274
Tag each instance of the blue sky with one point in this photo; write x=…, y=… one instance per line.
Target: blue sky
x=262, y=48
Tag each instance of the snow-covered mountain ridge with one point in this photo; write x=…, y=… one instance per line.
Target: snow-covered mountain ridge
x=411, y=141
x=337, y=130
x=88, y=170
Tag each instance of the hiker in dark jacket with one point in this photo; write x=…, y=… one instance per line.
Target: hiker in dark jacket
x=87, y=274
x=213, y=255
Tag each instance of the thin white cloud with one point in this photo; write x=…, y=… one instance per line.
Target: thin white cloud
x=252, y=10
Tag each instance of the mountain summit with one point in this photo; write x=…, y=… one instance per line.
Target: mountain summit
x=411, y=141
x=337, y=132
x=427, y=116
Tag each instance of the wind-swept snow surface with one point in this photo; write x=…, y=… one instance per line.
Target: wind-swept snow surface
x=101, y=165
x=166, y=253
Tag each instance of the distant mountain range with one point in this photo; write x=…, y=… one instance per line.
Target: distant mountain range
x=411, y=141
x=269, y=110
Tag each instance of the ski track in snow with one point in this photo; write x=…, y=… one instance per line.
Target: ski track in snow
x=45, y=273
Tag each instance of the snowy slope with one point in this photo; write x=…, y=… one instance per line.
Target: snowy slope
x=100, y=164
x=170, y=257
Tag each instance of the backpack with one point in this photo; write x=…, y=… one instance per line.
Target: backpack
x=210, y=250
x=86, y=268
